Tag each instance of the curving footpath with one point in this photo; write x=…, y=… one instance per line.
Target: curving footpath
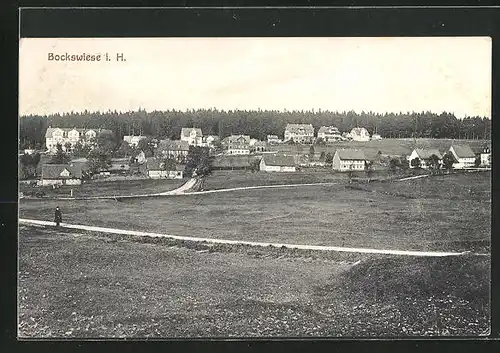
x=184, y=190
x=179, y=191
x=33, y=222
x=256, y=187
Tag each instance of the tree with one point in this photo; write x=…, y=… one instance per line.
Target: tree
x=260, y=122
x=477, y=161
x=67, y=147
x=448, y=161
x=169, y=163
x=60, y=157
x=433, y=162
x=291, y=141
x=218, y=147
x=124, y=150
x=27, y=165
x=329, y=158
x=320, y=141
x=147, y=145
x=350, y=174
x=99, y=160
x=322, y=156
x=198, y=162
x=394, y=164
x=369, y=170
x=81, y=149
x=311, y=153
x=106, y=141
x=415, y=163
x=255, y=165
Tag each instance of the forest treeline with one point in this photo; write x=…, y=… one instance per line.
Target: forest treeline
x=258, y=123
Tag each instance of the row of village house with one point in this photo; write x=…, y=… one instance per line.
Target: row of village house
x=235, y=144
x=343, y=160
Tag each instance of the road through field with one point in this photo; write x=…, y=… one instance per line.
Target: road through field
x=251, y=243
x=256, y=187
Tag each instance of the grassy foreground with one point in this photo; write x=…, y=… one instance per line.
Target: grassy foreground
x=78, y=285
x=442, y=213
x=108, y=188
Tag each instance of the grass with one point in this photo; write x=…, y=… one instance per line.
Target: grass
x=74, y=285
x=225, y=179
x=424, y=214
x=108, y=188
x=230, y=179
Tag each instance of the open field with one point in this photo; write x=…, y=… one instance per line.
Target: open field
x=224, y=179
x=79, y=285
x=386, y=146
x=108, y=188
x=452, y=214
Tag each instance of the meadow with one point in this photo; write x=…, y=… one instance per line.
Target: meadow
x=450, y=212
x=76, y=285
x=107, y=188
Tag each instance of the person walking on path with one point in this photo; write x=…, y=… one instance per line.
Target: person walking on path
x=58, y=216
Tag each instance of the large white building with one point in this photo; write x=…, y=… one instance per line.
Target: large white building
x=193, y=136
x=349, y=159
x=237, y=144
x=133, y=140
x=463, y=155
x=359, y=134
x=63, y=136
x=300, y=133
x=424, y=156
x=329, y=134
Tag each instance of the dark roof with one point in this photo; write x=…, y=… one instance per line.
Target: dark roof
x=463, y=151
x=53, y=171
x=328, y=130
x=235, y=139
x=426, y=153
x=359, y=131
x=279, y=160
x=173, y=145
x=226, y=161
x=351, y=154
x=50, y=130
x=186, y=131
x=296, y=128
x=153, y=163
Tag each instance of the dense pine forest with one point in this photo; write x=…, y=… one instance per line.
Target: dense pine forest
x=257, y=123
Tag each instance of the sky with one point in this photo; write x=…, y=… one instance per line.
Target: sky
x=435, y=74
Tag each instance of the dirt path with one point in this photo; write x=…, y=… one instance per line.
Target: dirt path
x=179, y=191
x=413, y=177
x=256, y=187
x=251, y=243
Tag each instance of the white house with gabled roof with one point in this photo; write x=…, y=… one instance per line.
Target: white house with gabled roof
x=349, y=159
x=192, y=135
x=463, y=155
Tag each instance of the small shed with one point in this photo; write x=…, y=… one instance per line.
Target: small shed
x=157, y=170
x=61, y=174
x=277, y=163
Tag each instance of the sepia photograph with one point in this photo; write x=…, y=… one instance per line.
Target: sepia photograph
x=254, y=187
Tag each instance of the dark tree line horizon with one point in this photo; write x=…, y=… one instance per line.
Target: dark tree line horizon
x=256, y=123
